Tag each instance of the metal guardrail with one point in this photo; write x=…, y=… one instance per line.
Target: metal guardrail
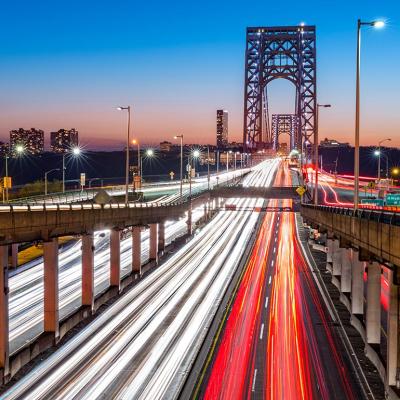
x=385, y=217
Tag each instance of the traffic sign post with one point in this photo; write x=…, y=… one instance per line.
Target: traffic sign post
x=83, y=180
x=393, y=199
x=171, y=174
x=375, y=202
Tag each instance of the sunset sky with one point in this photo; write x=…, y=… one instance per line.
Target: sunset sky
x=69, y=64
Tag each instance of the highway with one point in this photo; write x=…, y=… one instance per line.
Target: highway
x=143, y=345
x=168, y=188
x=279, y=341
x=26, y=287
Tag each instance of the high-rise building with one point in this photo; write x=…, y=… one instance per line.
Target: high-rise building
x=31, y=140
x=63, y=140
x=222, y=128
x=3, y=149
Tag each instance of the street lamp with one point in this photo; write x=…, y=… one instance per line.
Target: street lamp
x=316, y=141
x=149, y=153
x=378, y=153
x=195, y=154
x=376, y=24
x=45, y=179
x=128, y=108
x=139, y=164
x=181, y=138
x=75, y=151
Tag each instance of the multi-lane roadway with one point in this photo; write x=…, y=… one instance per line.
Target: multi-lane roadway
x=279, y=340
x=144, y=344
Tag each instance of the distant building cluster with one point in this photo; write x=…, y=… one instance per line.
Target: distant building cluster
x=329, y=143
x=31, y=141
x=222, y=129
x=63, y=139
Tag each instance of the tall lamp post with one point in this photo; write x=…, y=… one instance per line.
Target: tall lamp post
x=149, y=154
x=128, y=108
x=75, y=151
x=316, y=142
x=139, y=162
x=45, y=179
x=378, y=153
x=181, y=138
x=376, y=24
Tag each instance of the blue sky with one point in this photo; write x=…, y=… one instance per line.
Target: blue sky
x=68, y=64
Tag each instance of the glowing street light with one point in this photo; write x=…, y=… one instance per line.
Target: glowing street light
x=378, y=154
x=19, y=148
x=376, y=24
x=181, y=138
x=75, y=151
x=196, y=154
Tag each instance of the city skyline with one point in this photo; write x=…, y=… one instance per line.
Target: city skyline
x=176, y=81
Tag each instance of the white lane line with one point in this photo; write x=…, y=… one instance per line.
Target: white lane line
x=276, y=239
x=261, y=331
x=254, y=380
x=269, y=280
x=272, y=263
x=266, y=302
x=274, y=249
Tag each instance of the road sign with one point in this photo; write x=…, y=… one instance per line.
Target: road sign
x=301, y=190
x=375, y=202
x=171, y=174
x=393, y=199
x=7, y=182
x=371, y=185
x=83, y=179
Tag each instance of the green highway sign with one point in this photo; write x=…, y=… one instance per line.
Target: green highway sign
x=375, y=202
x=393, y=199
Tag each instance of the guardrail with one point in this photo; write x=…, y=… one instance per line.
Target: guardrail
x=376, y=233
x=376, y=215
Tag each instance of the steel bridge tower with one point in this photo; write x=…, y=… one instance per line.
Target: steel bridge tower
x=287, y=52
x=284, y=124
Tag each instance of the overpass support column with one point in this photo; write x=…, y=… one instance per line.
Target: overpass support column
x=336, y=258
x=357, y=285
x=161, y=236
x=88, y=271
x=115, y=258
x=393, y=334
x=373, y=316
x=4, y=317
x=154, y=242
x=345, y=278
x=136, y=250
x=51, y=291
x=329, y=253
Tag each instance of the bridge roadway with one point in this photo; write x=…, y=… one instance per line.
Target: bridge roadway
x=159, y=303
x=42, y=222
x=27, y=295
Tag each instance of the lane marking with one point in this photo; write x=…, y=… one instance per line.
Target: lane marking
x=276, y=239
x=254, y=380
x=266, y=302
x=272, y=263
x=261, y=331
x=269, y=280
x=274, y=249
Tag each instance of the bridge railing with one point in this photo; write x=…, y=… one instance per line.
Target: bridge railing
x=385, y=217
